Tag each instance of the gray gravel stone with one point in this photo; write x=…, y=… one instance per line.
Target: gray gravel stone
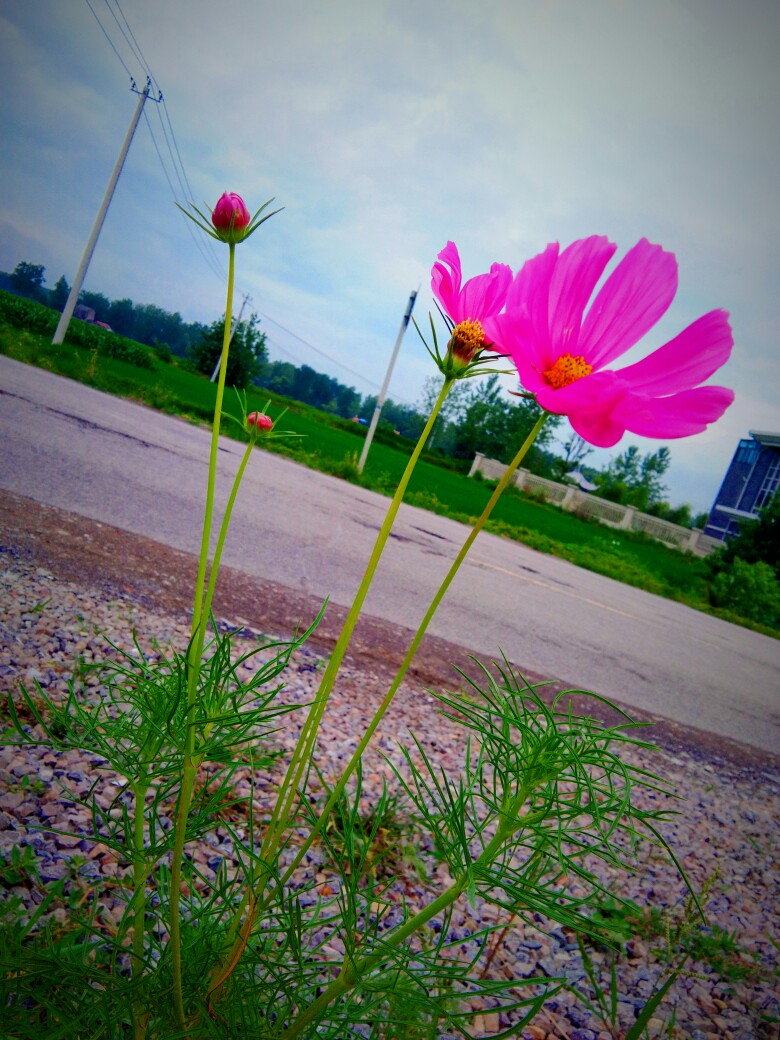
x=728, y=821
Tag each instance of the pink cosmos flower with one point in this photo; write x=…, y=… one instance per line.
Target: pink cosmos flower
x=471, y=305
x=260, y=420
x=231, y=218
x=561, y=353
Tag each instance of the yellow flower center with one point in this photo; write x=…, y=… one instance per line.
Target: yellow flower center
x=467, y=338
x=566, y=370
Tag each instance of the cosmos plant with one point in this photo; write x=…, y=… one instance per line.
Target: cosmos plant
x=260, y=948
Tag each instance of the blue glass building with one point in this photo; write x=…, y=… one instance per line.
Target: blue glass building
x=750, y=483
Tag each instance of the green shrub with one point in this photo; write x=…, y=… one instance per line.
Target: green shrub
x=758, y=541
x=34, y=317
x=163, y=352
x=749, y=589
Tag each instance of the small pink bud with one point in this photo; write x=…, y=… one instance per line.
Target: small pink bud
x=260, y=420
x=230, y=217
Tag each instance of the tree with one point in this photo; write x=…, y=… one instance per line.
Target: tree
x=27, y=280
x=682, y=515
x=121, y=317
x=442, y=435
x=347, y=401
x=575, y=450
x=248, y=352
x=279, y=376
x=758, y=541
x=635, y=480
x=496, y=425
x=58, y=296
x=97, y=302
x=403, y=417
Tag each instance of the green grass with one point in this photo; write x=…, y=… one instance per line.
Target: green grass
x=331, y=444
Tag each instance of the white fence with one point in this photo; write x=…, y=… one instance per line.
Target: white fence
x=570, y=498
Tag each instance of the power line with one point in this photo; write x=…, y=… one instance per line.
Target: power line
x=135, y=51
x=173, y=161
x=185, y=194
x=317, y=350
x=110, y=41
x=176, y=147
x=169, y=134
x=335, y=361
x=210, y=261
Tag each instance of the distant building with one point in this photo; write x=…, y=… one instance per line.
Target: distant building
x=751, y=483
x=84, y=313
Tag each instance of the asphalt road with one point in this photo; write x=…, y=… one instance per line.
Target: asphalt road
x=102, y=457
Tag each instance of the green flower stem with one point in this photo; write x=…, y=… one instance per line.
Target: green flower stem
x=199, y=621
x=301, y=756
x=140, y=874
x=194, y=655
x=182, y=812
x=352, y=972
x=223, y=530
x=414, y=646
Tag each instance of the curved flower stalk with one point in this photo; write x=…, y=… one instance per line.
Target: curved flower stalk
x=562, y=353
x=231, y=223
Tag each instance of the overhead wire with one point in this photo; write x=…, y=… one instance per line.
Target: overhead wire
x=135, y=50
x=210, y=260
x=110, y=41
x=185, y=194
x=317, y=350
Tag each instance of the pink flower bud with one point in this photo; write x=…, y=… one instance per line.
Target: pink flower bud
x=260, y=420
x=230, y=218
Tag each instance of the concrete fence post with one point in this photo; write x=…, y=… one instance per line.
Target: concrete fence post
x=627, y=522
x=476, y=465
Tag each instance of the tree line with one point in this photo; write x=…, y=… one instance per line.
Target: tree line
x=142, y=322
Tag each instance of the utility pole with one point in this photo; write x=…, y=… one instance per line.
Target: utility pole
x=236, y=323
x=388, y=375
x=67, y=314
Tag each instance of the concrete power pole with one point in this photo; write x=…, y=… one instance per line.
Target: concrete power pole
x=67, y=314
x=383, y=392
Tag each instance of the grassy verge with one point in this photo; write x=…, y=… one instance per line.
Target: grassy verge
x=630, y=558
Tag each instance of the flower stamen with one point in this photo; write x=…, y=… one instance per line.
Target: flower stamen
x=467, y=338
x=567, y=369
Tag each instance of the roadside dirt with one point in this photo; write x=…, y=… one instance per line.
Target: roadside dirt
x=118, y=563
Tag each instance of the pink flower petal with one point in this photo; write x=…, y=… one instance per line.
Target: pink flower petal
x=485, y=294
x=481, y=296
x=529, y=299
x=575, y=277
x=590, y=404
x=600, y=430
x=685, y=361
x=446, y=283
x=513, y=334
x=680, y=415
x=600, y=392
x=631, y=301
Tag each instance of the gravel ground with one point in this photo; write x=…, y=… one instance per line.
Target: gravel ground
x=727, y=822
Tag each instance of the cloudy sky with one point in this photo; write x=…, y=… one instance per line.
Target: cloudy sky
x=387, y=127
